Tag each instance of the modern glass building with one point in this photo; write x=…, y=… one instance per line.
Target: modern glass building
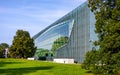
x=71, y=36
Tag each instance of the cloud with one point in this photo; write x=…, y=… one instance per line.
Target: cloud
x=31, y=15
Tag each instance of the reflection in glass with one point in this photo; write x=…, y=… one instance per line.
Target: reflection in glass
x=58, y=43
x=58, y=33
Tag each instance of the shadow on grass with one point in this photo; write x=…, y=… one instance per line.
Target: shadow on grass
x=21, y=71
x=2, y=63
x=88, y=71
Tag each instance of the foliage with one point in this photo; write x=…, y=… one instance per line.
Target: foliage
x=107, y=14
x=88, y=62
x=59, y=43
x=43, y=52
x=5, y=45
x=2, y=49
x=27, y=67
x=22, y=46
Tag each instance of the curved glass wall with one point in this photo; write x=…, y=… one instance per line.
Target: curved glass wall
x=47, y=38
x=71, y=36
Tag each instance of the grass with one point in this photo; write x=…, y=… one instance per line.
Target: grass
x=27, y=67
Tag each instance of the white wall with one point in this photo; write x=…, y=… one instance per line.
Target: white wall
x=63, y=60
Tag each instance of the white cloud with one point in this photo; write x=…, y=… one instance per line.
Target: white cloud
x=32, y=18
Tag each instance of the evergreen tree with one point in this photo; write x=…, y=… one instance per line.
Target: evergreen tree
x=22, y=46
x=107, y=14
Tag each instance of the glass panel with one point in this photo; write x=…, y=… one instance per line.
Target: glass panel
x=55, y=36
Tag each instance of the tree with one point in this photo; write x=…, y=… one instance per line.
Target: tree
x=2, y=49
x=42, y=52
x=59, y=43
x=90, y=56
x=5, y=45
x=107, y=14
x=22, y=45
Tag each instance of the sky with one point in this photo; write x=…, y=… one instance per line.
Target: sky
x=31, y=15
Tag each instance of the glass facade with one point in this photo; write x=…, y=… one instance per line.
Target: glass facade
x=47, y=38
x=78, y=26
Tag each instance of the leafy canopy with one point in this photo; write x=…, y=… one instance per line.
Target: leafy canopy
x=22, y=46
x=59, y=43
x=2, y=49
x=107, y=14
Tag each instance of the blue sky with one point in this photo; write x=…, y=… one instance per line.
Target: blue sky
x=31, y=15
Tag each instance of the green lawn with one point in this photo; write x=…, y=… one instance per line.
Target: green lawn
x=27, y=67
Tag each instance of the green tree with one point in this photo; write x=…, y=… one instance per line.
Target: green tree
x=22, y=45
x=107, y=14
x=88, y=62
x=42, y=52
x=5, y=45
x=59, y=43
x=2, y=49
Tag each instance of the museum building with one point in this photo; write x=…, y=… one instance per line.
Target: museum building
x=70, y=36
